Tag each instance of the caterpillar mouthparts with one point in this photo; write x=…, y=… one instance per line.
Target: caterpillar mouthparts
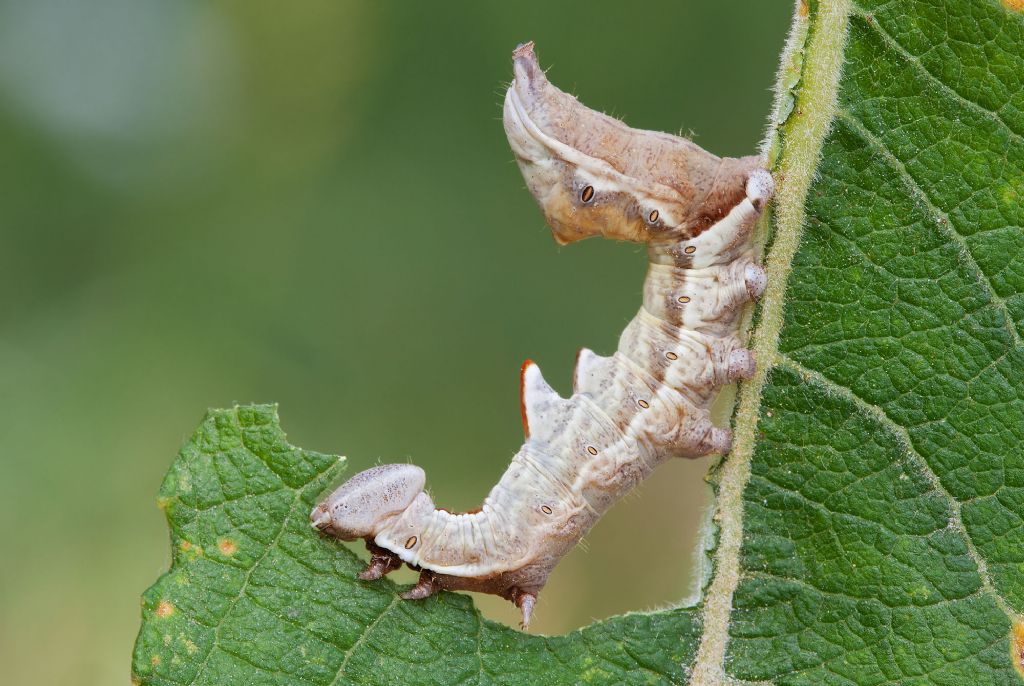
x=591, y=175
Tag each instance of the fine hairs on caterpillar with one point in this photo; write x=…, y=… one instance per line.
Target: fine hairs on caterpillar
x=649, y=402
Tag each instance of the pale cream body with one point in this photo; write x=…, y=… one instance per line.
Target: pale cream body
x=630, y=412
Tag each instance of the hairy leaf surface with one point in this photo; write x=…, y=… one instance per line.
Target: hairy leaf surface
x=883, y=518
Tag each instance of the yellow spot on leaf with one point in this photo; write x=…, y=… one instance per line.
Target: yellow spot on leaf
x=1017, y=645
x=1010, y=193
x=1014, y=5
x=163, y=503
x=227, y=547
x=191, y=647
x=164, y=609
x=155, y=660
x=805, y=9
x=186, y=546
x=167, y=639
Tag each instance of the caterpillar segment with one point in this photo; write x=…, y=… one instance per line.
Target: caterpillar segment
x=649, y=402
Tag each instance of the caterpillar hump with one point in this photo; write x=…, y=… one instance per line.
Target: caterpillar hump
x=591, y=175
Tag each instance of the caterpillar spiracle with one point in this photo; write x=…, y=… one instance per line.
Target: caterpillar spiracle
x=649, y=402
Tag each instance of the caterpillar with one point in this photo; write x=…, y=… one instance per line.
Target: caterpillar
x=591, y=175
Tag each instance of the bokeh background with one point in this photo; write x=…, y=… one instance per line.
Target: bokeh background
x=310, y=203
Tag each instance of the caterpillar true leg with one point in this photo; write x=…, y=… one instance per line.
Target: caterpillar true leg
x=648, y=402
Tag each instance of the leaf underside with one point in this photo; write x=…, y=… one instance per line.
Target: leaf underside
x=885, y=511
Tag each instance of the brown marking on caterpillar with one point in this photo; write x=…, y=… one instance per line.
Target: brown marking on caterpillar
x=561, y=145
x=648, y=402
x=382, y=561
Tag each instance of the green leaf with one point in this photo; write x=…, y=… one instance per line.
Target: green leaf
x=882, y=526
x=255, y=596
x=872, y=511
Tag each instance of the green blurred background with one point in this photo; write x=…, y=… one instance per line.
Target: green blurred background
x=311, y=203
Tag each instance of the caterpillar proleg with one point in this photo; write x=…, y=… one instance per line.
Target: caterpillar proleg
x=649, y=402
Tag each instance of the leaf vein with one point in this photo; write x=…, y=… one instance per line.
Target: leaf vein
x=903, y=436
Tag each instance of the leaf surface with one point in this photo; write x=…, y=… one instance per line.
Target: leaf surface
x=883, y=518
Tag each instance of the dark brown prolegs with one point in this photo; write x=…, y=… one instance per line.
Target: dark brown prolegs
x=381, y=562
x=427, y=586
x=384, y=562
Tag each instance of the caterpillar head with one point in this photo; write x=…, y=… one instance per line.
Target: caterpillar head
x=361, y=505
x=594, y=176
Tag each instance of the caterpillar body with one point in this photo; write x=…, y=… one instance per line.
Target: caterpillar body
x=647, y=403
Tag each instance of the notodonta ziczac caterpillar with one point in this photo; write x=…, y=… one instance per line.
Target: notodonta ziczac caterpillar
x=649, y=402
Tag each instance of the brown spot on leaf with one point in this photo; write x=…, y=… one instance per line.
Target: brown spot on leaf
x=1014, y=5
x=805, y=9
x=164, y=609
x=227, y=547
x=155, y=660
